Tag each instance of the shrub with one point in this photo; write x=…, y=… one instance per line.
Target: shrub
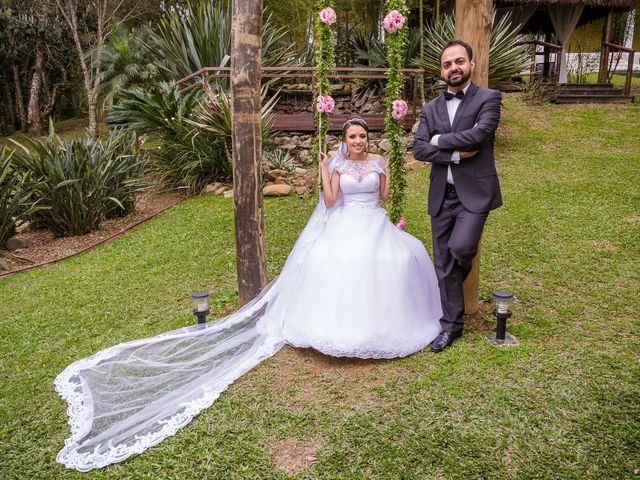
x=14, y=197
x=193, y=130
x=76, y=183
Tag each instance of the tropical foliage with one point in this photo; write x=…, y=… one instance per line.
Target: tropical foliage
x=77, y=183
x=505, y=58
x=190, y=132
x=199, y=36
x=14, y=197
x=370, y=52
x=126, y=63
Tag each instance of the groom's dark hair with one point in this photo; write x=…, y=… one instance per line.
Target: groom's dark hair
x=453, y=43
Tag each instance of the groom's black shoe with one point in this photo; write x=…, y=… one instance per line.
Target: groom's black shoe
x=443, y=340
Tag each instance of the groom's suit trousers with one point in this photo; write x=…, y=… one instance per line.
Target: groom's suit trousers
x=456, y=235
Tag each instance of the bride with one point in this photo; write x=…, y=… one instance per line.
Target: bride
x=354, y=285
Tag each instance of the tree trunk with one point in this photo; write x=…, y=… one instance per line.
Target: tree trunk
x=92, y=106
x=19, y=101
x=473, y=25
x=35, y=118
x=247, y=147
x=11, y=110
x=51, y=101
x=68, y=11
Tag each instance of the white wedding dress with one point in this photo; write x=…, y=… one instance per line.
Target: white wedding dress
x=354, y=285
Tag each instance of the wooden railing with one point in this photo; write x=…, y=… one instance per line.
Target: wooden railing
x=612, y=47
x=352, y=73
x=548, y=48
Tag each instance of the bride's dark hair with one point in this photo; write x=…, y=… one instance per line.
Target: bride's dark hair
x=355, y=120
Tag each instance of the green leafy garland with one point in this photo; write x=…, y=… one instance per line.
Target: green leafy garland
x=396, y=44
x=325, y=62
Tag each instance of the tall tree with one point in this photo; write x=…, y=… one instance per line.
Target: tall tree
x=89, y=40
x=246, y=42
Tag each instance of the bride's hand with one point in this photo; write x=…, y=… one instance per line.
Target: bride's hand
x=323, y=158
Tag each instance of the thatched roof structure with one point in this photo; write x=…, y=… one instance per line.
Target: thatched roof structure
x=617, y=4
x=540, y=22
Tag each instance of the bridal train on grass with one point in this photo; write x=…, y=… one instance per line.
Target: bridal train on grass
x=354, y=285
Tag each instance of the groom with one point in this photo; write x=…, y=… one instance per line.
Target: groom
x=456, y=135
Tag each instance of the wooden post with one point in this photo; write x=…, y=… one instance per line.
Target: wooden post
x=473, y=25
x=604, y=52
x=627, y=83
x=247, y=147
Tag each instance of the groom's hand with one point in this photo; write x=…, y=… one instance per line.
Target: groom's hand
x=468, y=154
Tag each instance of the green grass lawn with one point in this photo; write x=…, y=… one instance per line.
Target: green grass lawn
x=70, y=128
x=618, y=80
x=562, y=404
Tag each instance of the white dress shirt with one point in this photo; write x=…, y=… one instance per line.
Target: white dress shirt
x=452, y=108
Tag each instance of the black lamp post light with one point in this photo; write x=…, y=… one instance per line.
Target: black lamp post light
x=200, y=306
x=502, y=311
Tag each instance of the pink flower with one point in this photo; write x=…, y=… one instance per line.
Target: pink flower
x=400, y=109
x=394, y=21
x=401, y=223
x=325, y=104
x=328, y=16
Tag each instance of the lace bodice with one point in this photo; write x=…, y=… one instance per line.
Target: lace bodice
x=360, y=180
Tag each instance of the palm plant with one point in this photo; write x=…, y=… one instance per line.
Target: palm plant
x=506, y=59
x=370, y=52
x=126, y=64
x=199, y=151
x=158, y=110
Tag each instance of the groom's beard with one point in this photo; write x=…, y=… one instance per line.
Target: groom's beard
x=464, y=77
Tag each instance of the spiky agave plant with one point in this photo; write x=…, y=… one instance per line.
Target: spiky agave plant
x=198, y=35
x=76, y=183
x=15, y=198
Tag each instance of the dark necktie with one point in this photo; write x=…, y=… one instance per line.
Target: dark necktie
x=448, y=95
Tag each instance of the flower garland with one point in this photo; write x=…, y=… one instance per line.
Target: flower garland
x=325, y=62
x=396, y=44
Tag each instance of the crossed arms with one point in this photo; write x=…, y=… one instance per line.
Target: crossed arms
x=467, y=142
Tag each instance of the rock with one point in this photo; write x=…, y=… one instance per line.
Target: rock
x=303, y=156
x=281, y=181
x=288, y=146
x=306, y=143
x=266, y=184
x=384, y=145
x=273, y=174
x=15, y=243
x=415, y=165
x=221, y=190
x=300, y=171
x=302, y=192
x=228, y=194
x=212, y=187
x=276, y=191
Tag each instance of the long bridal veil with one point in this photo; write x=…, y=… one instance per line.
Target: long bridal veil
x=132, y=396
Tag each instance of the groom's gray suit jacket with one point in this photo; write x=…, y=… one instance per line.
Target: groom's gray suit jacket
x=473, y=128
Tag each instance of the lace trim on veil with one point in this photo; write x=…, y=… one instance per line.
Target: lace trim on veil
x=223, y=351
